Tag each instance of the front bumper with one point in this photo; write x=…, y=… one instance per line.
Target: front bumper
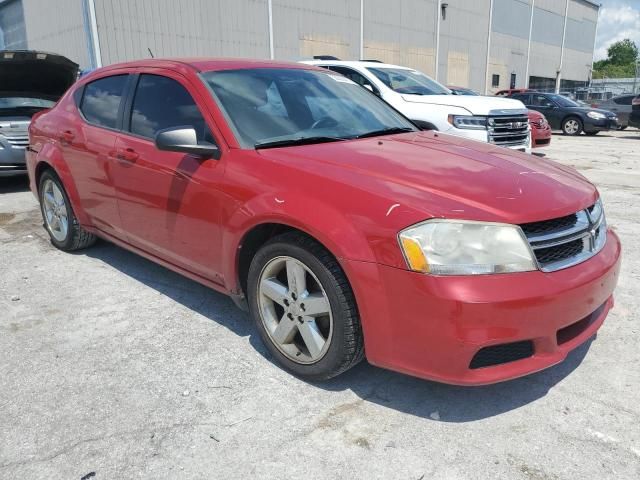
x=540, y=137
x=609, y=123
x=433, y=327
x=12, y=159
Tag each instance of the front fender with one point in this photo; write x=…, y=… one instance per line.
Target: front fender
x=325, y=223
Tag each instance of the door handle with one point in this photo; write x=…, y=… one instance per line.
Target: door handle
x=67, y=136
x=127, y=154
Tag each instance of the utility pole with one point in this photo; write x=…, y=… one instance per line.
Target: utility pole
x=564, y=36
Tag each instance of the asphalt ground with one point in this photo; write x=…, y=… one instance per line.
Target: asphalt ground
x=112, y=367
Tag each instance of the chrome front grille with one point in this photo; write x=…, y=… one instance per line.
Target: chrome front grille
x=509, y=130
x=15, y=132
x=566, y=241
x=17, y=140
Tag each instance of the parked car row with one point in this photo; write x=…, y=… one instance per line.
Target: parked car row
x=344, y=229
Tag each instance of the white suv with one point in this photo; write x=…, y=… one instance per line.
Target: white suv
x=500, y=121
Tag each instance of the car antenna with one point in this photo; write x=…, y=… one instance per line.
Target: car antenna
x=150, y=52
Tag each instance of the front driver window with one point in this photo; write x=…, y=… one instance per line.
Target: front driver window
x=161, y=102
x=542, y=101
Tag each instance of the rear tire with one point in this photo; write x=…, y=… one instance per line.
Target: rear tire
x=59, y=220
x=315, y=340
x=572, y=126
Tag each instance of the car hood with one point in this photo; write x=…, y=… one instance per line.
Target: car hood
x=438, y=175
x=476, y=105
x=26, y=73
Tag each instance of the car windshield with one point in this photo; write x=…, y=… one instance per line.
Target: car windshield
x=292, y=106
x=563, y=101
x=409, y=82
x=465, y=91
x=25, y=102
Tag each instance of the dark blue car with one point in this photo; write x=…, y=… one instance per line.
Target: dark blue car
x=564, y=114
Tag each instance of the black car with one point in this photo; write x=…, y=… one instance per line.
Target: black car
x=634, y=118
x=564, y=114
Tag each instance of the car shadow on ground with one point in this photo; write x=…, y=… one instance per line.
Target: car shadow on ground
x=14, y=184
x=429, y=400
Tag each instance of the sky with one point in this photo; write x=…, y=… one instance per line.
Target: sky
x=619, y=19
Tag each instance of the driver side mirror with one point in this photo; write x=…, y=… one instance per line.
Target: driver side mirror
x=184, y=139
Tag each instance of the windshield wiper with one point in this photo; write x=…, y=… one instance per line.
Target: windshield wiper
x=386, y=131
x=290, y=142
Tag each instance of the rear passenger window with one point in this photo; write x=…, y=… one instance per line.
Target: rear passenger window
x=160, y=103
x=354, y=77
x=526, y=99
x=101, y=100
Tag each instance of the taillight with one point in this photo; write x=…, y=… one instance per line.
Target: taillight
x=595, y=105
x=636, y=101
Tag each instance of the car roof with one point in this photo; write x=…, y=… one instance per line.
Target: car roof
x=354, y=63
x=205, y=64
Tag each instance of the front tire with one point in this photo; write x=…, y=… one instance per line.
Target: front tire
x=572, y=126
x=59, y=220
x=304, y=308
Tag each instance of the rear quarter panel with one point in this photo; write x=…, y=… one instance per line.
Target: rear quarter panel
x=45, y=152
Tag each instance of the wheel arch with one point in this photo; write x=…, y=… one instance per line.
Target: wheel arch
x=50, y=158
x=572, y=115
x=259, y=221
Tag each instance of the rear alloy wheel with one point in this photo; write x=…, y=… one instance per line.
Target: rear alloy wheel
x=304, y=308
x=59, y=220
x=572, y=126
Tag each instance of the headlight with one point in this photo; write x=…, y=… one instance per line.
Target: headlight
x=596, y=115
x=459, y=247
x=468, y=122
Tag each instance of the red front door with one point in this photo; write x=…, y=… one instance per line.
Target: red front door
x=169, y=202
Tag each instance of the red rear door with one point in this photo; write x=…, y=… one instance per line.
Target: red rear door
x=169, y=202
x=87, y=142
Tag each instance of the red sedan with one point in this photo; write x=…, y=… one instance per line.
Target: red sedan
x=345, y=230
x=540, y=130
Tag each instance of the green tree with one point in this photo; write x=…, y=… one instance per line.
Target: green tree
x=620, y=62
x=623, y=52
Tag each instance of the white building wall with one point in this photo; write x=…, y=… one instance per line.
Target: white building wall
x=58, y=27
x=400, y=31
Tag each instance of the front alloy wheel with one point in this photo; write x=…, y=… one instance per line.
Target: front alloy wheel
x=572, y=126
x=295, y=310
x=304, y=308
